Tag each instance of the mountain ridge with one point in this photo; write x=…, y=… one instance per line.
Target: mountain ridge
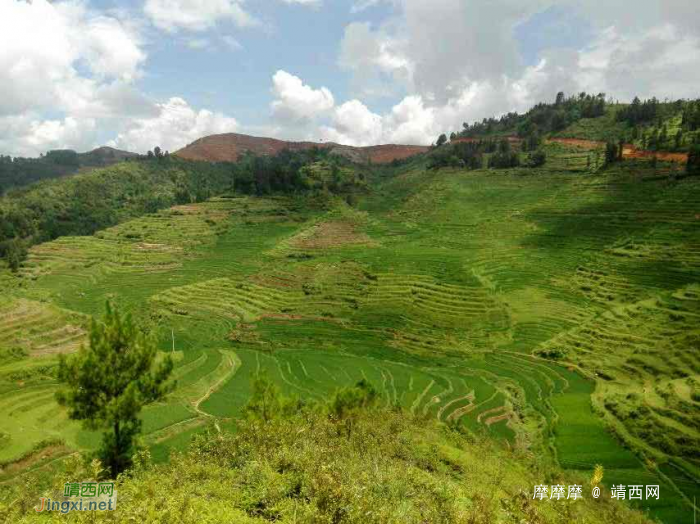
x=228, y=147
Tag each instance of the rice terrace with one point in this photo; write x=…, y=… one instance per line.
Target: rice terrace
x=342, y=328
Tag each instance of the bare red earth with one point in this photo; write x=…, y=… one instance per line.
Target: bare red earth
x=230, y=146
x=628, y=150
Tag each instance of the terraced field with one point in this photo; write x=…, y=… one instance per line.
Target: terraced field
x=554, y=309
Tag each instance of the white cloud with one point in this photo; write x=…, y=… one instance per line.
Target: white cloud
x=312, y=3
x=176, y=125
x=377, y=60
x=28, y=136
x=459, y=61
x=42, y=45
x=296, y=101
x=196, y=15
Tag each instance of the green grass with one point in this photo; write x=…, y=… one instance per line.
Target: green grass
x=544, y=308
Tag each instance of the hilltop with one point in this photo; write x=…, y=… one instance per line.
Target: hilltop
x=17, y=172
x=381, y=466
x=229, y=147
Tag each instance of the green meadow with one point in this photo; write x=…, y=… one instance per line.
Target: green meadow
x=554, y=309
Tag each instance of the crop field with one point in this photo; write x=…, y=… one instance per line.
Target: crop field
x=557, y=310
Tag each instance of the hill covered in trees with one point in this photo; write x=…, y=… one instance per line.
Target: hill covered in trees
x=649, y=124
x=19, y=171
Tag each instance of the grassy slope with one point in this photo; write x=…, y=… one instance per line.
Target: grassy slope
x=389, y=468
x=438, y=291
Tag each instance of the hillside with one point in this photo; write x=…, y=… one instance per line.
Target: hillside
x=385, y=467
x=18, y=171
x=230, y=146
x=549, y=310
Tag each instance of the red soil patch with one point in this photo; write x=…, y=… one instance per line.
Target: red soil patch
x=230, y=146
x=628, y=150
x=511, y=139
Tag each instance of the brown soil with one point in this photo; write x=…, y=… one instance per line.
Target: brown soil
x=230, y=146
x=628, y=150
x=22, y=464
x=329, y=234
x=511, y=139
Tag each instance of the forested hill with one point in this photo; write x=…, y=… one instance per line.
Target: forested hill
x=21, y=171
x=86, y=203
x=648, y=124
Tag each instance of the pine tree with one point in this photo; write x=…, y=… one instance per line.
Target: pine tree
x=109, y=381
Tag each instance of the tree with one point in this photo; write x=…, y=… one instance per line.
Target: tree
x=560, y=98
x=442, y=139
x=16, y=253
x=620, y=150
x=109, y=381
x=157, y=152
x=536, y=159
x=611, y=154
x=265, y=401
x=693, y=165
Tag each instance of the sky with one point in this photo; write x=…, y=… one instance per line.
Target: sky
x=135, y=74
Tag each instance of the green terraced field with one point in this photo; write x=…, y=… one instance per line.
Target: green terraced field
x=556, y=310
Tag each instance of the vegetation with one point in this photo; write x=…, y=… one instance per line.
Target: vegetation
x=18, y=171
x=83, y=204
x=544, y=317
x=307, y=467
x=108, y=383
x=541, y=119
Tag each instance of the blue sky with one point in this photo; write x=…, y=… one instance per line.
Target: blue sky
x=140, y=73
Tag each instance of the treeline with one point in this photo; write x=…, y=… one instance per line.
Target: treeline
x=494, y=154
x=21, y=171
x=542, y=118
x=296, y=171
x=83, y=204
x=639, y=112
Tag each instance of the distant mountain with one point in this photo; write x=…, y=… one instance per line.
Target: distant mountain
x=105, y=155
x=20, y=171
x=230, y=146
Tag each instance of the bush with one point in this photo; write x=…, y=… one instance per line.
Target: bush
x=536, y=159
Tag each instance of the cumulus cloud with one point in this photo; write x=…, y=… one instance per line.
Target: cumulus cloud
x=196, y=15
x=27, y=136
x=176, y=125
x=42, y=45
x=296, y=101
x=460, y=61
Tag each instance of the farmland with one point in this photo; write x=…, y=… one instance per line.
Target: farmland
x=554, y=309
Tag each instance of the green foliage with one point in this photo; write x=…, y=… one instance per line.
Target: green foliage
x=108, y=382
x=693, y=165
x=348, y=401
x=442, y=140
x=504, y=160
x=83, y=204
x=542, y=118
x=392, y=468
x=536, y=159
x=265, y=401
x=18, y=171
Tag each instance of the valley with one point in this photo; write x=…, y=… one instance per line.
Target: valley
x=552, y=309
